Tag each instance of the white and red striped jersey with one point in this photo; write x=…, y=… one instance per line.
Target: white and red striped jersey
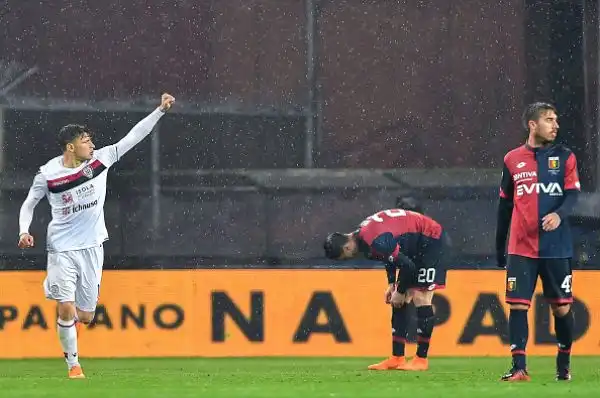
x=77, y=195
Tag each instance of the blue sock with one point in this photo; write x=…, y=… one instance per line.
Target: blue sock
x=518, y=330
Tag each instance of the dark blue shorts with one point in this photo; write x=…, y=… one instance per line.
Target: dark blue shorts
x=522, y=275
x=433, y=264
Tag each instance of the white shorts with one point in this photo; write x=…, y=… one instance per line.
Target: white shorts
x=75, y=276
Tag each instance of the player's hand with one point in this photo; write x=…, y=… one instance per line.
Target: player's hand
x=550, y=222
x=388, y=293
x=399, y=299
x=25, y=241
x=166, y=101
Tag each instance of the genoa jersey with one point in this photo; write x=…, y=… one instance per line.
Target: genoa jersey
x=389, y=232
x=535, y=180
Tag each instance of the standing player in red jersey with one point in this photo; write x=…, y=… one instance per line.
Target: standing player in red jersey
x=538, y=191
x=414, y=244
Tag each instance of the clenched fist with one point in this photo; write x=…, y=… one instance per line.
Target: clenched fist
x=166, y=101
x=25, y=241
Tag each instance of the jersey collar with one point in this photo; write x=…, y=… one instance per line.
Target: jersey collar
x=539, y=149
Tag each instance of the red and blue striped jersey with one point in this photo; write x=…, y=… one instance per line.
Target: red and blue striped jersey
x=538, y=181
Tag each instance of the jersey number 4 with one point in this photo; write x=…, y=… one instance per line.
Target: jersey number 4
x=566, y=284
x=379, y=217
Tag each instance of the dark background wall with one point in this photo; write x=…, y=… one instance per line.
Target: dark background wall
x=410, y=85
x=403, y=84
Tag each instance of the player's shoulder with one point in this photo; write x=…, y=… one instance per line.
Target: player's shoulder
x=52, y=166
x=515, y=153
x=103, y=150
x=563, y=150
x=106, y=155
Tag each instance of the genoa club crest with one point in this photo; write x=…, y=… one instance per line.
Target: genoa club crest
x=87, y=171
x=553, y=163
x=511, y=284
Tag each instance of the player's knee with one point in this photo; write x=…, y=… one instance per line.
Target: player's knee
x=521, y=307
x=66, y=311
x=560, y=309
x=85, y=317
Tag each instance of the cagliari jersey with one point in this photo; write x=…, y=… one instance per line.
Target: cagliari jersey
x=77, y=195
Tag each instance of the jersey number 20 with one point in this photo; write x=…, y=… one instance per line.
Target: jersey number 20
x=378, y=217
x=426, y=275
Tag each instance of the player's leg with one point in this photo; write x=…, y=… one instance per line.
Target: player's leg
x=90, y=262
x=425, y=322
x=557, y=277
x=400, y=317
x=431, y=276
x=60, y=286
x=521, y=277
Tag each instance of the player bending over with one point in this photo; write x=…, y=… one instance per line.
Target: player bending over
x=538, y=192
x=414, y=244
x=75, y=185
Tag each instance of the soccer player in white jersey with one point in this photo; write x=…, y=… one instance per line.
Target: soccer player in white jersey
x=75, y=185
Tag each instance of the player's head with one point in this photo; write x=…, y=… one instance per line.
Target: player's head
x=77, y=141
x=541, y=121
x=408, y=203
x=340, y=246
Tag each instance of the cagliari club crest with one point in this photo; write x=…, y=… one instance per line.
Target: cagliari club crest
x=87, y=171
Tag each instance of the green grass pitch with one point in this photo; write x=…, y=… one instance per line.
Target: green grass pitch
x=290, y=377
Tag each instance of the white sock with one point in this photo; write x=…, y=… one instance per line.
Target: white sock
x=67, y=333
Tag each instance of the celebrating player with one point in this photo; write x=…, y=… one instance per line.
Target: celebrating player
x=75, y=185
x=538, y=192
x=414, y=244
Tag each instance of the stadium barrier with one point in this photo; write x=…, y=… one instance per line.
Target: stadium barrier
x=278, y=313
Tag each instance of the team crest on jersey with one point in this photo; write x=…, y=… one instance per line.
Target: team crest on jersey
x=88, y=172
x=553, y=163
x=67, y=198
x=511, y=284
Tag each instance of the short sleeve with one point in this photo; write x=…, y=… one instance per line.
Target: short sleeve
x=571, y=174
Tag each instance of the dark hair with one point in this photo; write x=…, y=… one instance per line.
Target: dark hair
x=534, y=111
x=71, y=132
x=409, y=203
x=334, y=245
